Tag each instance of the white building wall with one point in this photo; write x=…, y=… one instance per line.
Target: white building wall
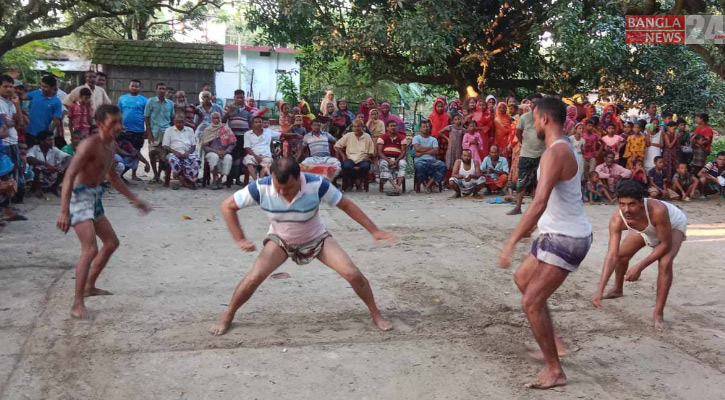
x=265, y=69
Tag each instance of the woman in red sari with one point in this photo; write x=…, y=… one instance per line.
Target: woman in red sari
x=438, y=117
x=483, y=116
x=501, y=128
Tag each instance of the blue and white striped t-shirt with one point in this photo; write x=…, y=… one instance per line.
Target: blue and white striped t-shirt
x=297, y=222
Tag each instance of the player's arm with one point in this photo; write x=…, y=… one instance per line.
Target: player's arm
x=661, y=220
x=352, y=210
x=118, y=184
x=229, y=210
x=610, y=261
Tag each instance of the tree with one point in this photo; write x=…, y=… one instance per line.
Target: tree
x=45, y=19
x=461, y=43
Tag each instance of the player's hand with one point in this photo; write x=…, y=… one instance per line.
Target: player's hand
x=597, y=301
x=147, y=168
x=63, y=222
x=504, y=258
x=142, y=205
x=633, y=273
x=381, y=235
x=246, y=245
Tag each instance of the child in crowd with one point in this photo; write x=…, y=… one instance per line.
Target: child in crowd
x=685, y=143
x=699, y=152
x=638, y=172
x=472, y=141
x=578, y=142
x=292, y=142
x=80, y=113
x=683, y=183
x=611, y=141
x=75, y=139
x=625, y=134
x=129, y=157
x=636, y=144
x=596, y=190
x=654, y=145
x=592, y=147
x=656, y=177
x=671, y=150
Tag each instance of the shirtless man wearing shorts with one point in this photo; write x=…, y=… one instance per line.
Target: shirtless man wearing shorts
x=650, y=222
x=291, y=200
x=565, y=235
x=81, y=206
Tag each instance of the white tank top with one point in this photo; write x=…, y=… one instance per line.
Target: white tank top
x=678, y=221
x=564, y=214
x=469, y=172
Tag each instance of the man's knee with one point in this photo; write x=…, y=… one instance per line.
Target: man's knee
x=354, y=276
x=90, y=249
x=665, y=265
x=253, y=280
x=530, y=303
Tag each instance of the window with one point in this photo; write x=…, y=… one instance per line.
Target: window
x=265, y=54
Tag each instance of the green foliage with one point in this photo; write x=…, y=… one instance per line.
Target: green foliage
x=23, y=58
x=717, y=146
x=286, y=85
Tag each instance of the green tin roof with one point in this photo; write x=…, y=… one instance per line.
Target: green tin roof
x=139, y=53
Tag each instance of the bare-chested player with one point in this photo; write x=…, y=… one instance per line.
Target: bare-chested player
x=653, y=223
x=291, y=200
x=565, y=235
x=81, y=205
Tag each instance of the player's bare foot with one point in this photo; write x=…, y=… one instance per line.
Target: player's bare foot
x=613, y=294
x=382, y=323
x=660, y=325
x=548, y=379
x=96, y=292
x=560, y=350
x=221, y=327
x=81, y=312
x=515, y=211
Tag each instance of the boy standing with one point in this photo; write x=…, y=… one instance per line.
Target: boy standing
x=80, y=113
x=81, y=205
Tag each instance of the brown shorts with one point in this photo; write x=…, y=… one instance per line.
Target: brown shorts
x=301, y=253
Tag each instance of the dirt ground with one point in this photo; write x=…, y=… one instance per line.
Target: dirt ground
x=459, y=332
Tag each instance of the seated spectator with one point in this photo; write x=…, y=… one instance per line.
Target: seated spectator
x=595, y=190
x=180, y=144
x=356, y=150
x=48, y=163
x=466, y=177
x=611, y=172
x=657, y=179
x=8, y=189
x=316, y=145
x=428, y=168
x=495, y=169
x=258, y=144
x=24, y=173
x=683, y=183
x=712, y=176
x=391, y=150
x=218, y=141
x=80, y=113
x=129, y=157
x=75, y=140
x=293, y=138
x=638, y=172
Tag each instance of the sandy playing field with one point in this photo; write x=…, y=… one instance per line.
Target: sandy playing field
x=459, y=332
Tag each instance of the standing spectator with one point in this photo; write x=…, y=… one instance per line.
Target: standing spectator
x=12, y=116
x=342, y=118
x=671, y=150
x=456, y=131
x=531, y=150
x=495, y=169
x=238, y=117
x=179, y=141
x=705, y=131
x=48, y=163
x=45, y=111
x=292, y=139
x=157, y=115
x=386, y=116
x=650, y=114
x=438, y=117
x=472, y=141
x=183, y=106
x=654, y=146
x=258, y=145
x=206, y=109
x=80, y=113
x=611, y=172
x=712, y=176
x=98, y=94
x=328, y=99
x=428, y=169
x=356, y=149
x=612, y=141
x=392, y=148
x=578, y=142
x=636, y=145
x=101, y=79
x=132, y=105
x=685, y=141
x=218, y=141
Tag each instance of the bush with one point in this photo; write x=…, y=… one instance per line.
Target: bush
x=718, y=145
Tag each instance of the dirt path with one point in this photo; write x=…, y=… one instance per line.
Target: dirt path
x=459, y=330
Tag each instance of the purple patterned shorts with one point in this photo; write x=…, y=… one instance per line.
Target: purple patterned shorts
x=563, y=251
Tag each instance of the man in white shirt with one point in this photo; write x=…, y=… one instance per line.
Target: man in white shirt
x=98, y=95
x=180, y=143
x=258, y=145
x=49, y=164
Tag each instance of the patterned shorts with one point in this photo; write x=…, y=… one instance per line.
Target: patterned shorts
x=527, y=173
x=300, y=253
x=563, y=251
x=85, y=204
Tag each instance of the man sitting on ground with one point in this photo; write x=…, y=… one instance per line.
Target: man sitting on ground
x=712, y=176
x=356, y=150
x=466, y=177
x=392, y=147
x=48, y=163
x=317, y=145
x=428, y=168
x=495, y=169
x=611, y=172
x=258, y=144
x=180, y=143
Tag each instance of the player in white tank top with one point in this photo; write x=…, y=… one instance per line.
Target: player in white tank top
x=565, y=234
x=652, y=223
